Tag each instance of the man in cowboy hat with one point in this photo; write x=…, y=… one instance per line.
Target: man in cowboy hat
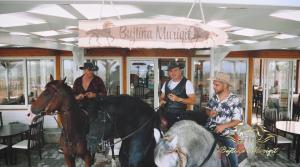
x=85, y=88
x=225, y=113
x=88, y=85
x=176, y=94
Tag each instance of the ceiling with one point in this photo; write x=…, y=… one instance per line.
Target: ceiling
x=240, y=19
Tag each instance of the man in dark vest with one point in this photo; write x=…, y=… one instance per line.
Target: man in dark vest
x=176, y=94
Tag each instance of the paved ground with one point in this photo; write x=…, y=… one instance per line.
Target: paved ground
x=51, y=158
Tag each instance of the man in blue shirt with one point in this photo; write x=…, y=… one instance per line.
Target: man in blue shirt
x=225, y=113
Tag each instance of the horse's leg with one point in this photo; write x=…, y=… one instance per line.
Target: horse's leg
x=123, y=154
x=87, y=159
x=70, y=160
x=111, y=142
x=140, y=147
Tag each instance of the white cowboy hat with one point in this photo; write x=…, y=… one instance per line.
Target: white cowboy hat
x=221, y=77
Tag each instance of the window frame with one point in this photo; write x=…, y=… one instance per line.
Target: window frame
x=24, y=59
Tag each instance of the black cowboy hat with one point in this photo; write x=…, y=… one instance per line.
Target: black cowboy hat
x=89, y=66
x=174, y=64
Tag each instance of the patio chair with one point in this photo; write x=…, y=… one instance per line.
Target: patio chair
x=278, y=140
x=3, y=152
x=139, y=91
x=32, y=142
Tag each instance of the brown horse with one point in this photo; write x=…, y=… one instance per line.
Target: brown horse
x=74, y=120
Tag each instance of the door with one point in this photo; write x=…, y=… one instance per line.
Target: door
x=278, y=87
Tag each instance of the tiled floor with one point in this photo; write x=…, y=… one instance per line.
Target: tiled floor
x=51, y=158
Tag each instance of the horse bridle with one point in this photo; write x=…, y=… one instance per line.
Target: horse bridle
x=50, y=103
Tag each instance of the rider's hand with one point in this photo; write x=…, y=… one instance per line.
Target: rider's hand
x=219, y=128
x=211, y=113
x=90, y=94
x=162, y=102
x=79, y=97
x=173, y=97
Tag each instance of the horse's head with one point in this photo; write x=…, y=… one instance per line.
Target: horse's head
x=51, y=98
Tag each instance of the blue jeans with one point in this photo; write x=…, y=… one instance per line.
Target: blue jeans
x=229, y=144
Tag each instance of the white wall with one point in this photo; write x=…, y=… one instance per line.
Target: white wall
x=21, y=116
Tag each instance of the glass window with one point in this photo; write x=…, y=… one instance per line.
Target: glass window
x=237, y=69
x=68, y=71
x=142, y=80
x=279, y=78
x=257, y=72
x=38, y=76
x=201, y=83
x=12, y=82
x=109, y=71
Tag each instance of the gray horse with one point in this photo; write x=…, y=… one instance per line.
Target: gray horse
x=186, y=144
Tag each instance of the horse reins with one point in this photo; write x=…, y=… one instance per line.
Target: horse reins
x=210, y=153
x=132, y=133
x=56, y=92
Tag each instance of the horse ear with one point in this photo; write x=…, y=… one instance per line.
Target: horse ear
x=51, y=77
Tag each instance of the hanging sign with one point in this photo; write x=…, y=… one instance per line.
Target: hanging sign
x=148, y=33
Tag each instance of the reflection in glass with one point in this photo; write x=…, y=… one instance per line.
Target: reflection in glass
x=109, y=71
x=201, y=83
x=257, y=73
x=12, y=82
x=142, y=80
x=237, y=69
x=68, y=71
x=38, y=76
x=278, y=86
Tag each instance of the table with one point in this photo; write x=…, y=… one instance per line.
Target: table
x=291, y=127
x=7, y=132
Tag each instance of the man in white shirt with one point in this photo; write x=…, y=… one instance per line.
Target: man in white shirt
x=177, y=93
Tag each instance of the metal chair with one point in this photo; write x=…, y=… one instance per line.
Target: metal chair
x=32, y=142
x=139, y=91
x=3, y=151
x=278, y=140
